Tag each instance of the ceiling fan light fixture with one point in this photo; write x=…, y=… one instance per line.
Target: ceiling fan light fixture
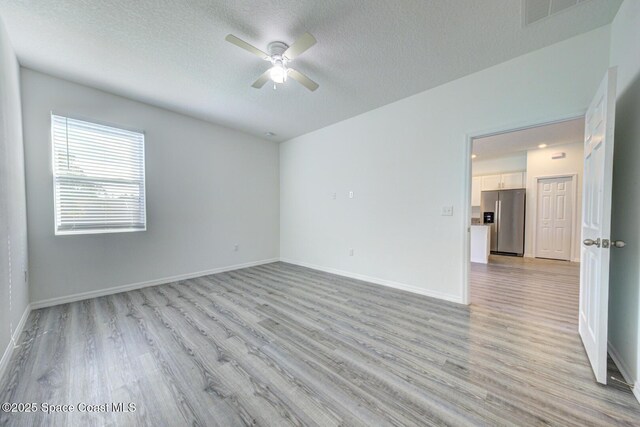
x=278, y=73
x=280, y=54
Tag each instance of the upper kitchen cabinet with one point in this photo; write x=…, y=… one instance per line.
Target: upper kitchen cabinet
x=513, y=180
x=503, y=181
x=491, y=182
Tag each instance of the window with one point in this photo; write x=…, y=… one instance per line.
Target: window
x=98, y=178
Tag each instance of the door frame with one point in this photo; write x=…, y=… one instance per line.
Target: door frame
x=468, y=175
x=574, y=213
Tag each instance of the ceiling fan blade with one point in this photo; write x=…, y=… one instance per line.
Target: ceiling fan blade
x=302, y=79
x=261, y=80
x=300, y=45
x=246, y=46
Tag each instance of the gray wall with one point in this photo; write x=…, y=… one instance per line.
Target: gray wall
x=14, y=292
x=624, y=295
x=208, y=188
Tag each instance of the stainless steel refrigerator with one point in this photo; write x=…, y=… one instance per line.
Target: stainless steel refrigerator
x=504, y=211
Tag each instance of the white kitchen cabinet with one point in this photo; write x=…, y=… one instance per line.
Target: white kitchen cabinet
x=513, y=180
x=476, y=190
x=491, y=182
x=480, y=243
x=505, y=181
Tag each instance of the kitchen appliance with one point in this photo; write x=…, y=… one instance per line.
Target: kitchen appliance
x=504, y=211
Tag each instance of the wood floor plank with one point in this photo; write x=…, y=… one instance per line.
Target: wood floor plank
x=280, y=344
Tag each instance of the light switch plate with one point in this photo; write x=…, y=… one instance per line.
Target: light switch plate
x=447, y=211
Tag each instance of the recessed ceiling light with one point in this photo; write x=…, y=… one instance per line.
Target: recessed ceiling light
x=473, y=156
x=270, y=134
x=542, y=146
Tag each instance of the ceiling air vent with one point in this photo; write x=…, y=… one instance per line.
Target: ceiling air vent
x=536, y=10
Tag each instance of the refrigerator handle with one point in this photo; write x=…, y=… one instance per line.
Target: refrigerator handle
x=498, y=214
x=496, y=220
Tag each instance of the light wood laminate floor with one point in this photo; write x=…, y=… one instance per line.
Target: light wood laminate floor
x=284, y=345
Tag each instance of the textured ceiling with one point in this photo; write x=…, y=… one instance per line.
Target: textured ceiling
x=494, y=146
x=369, y=52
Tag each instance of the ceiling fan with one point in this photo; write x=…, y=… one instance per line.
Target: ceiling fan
x=280, y=54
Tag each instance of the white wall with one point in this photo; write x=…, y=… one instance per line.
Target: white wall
x=14, y=292
x=624, y=296
x=540, y=164
x=407, y=160
x=511, y=163
x=208, y=188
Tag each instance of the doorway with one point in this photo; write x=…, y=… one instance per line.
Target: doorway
x=526, y=201
x=500, y=288
x=506, y=169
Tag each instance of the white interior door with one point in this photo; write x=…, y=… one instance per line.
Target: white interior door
x=554, y=218
x=596, y=224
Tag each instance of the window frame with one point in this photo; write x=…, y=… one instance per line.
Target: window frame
x=91, y=231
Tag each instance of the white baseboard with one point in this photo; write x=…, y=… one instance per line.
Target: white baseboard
x=526, y=255
x=377, y=281
x=8, y=352
x=123, y=288
x=624, y=370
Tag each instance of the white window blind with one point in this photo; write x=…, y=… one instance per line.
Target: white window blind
x=98, y=174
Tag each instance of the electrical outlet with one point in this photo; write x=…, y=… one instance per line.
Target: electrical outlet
x=350, y=251
x=333, y=196
x=447, y=211
x=351, y=194
x=236, y=248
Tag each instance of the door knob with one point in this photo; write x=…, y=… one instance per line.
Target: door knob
x=591, y=242
x=618, y=244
